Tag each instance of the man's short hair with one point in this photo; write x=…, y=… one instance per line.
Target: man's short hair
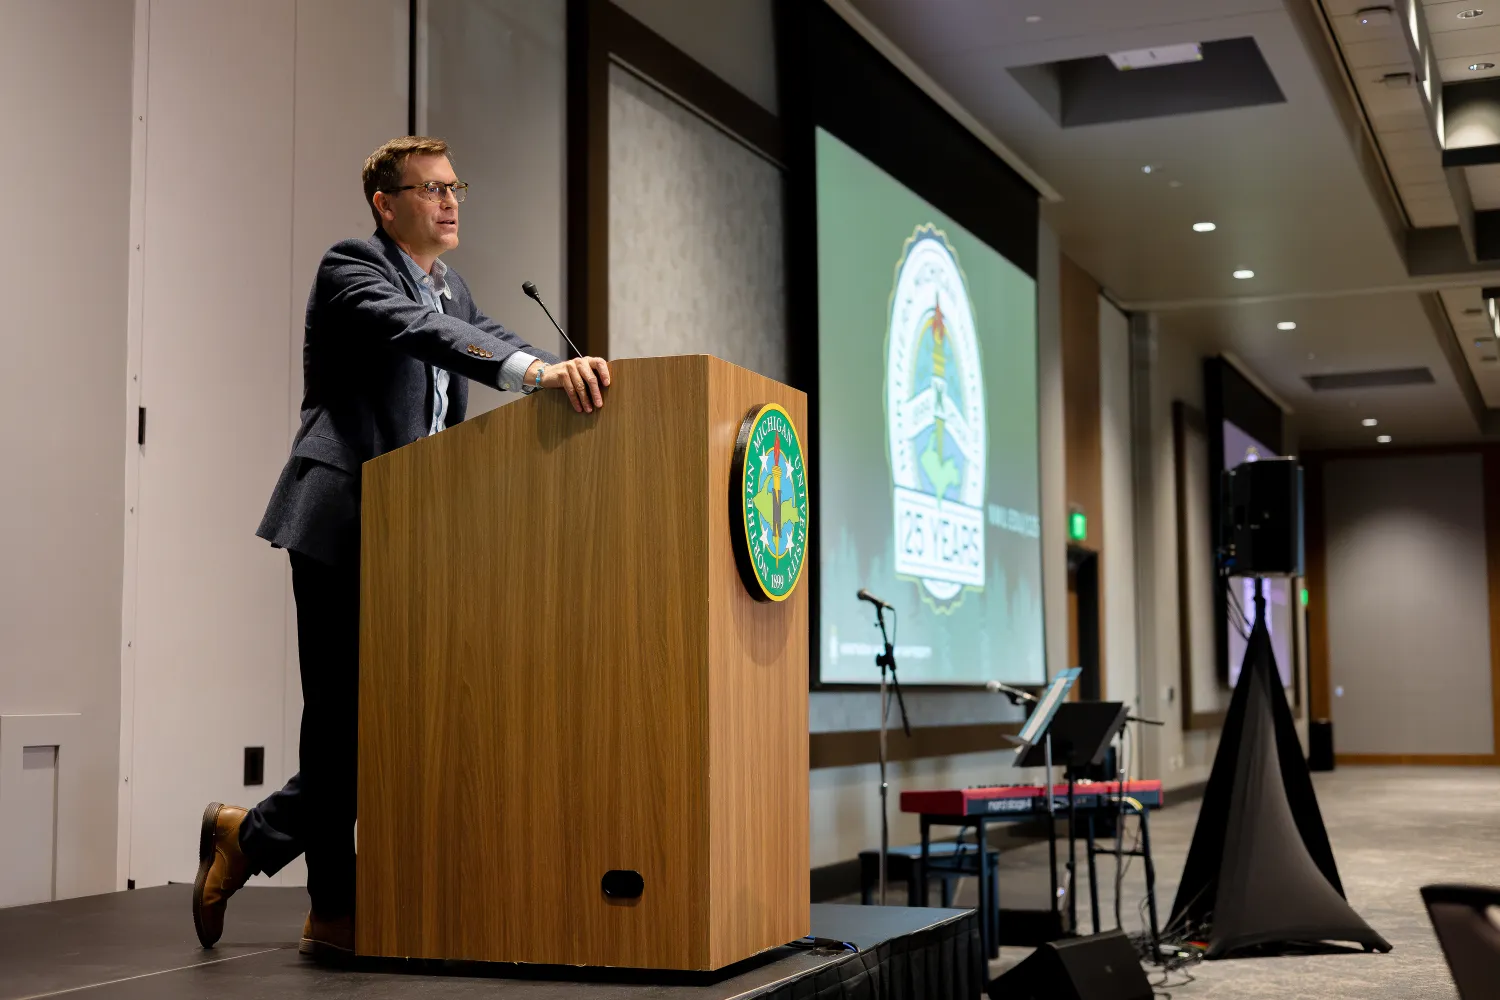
x=384, y=167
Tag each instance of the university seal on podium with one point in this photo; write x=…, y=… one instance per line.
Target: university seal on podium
x=934, y=412
x=768, y=503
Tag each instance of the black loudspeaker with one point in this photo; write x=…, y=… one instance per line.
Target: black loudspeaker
x=1261, y=518
x=1101, y=967
x=1320, y=745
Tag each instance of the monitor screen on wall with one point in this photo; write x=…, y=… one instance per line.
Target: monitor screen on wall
x=926, y=408
x=1240, y=447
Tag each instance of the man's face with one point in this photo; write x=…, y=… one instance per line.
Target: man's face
x=423, y=225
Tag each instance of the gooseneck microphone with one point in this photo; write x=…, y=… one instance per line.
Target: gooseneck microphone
x=530, y=289
x=1015, y=694
x=865, y=595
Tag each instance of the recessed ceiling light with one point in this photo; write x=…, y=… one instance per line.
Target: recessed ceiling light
x=1204, y=227
x=1471, y=12
x=1369, y=421
x=1480, y=66
x=1286, y=324
x=1244, y=273
x=1036, y=18
x=1383, y=439
x=1148, y=167
x=1374, y=16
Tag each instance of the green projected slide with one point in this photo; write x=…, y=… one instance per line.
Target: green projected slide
x=927, y=472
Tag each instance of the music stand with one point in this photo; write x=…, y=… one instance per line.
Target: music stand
x=1036, y=735
x=1081, y=732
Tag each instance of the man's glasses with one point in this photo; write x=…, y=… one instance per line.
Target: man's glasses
x=436, y=190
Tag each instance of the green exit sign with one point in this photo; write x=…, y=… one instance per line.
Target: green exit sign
x=1078, y=525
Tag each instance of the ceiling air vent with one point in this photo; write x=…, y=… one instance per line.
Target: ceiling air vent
x=1385, y=378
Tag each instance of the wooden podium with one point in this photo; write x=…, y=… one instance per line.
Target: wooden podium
x=562, y=676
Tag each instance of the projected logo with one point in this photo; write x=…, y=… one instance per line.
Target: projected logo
x=934, y=407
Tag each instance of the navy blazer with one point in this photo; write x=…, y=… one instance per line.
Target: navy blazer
x=367, y=386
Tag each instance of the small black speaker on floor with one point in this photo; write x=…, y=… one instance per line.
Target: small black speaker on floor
x=1099, y=967
x=1320, y=745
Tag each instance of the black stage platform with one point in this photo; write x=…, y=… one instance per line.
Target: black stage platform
x=140, y=945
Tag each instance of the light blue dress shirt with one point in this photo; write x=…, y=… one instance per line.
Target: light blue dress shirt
x=434, y=289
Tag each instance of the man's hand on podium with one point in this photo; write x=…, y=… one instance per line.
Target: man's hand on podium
x=583, y=379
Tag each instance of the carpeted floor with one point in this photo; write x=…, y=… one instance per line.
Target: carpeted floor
x=1393, y=830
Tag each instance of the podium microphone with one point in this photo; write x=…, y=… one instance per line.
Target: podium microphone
x=530, y=289
x=865, y=595
x=1016, y=695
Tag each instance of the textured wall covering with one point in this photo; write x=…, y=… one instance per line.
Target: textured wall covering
x=695, y=237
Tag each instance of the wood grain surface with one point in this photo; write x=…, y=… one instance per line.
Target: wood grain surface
x=545, y=693
x=758, y=746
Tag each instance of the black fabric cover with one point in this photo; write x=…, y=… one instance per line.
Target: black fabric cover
x=1260, y=871
x=941, y=963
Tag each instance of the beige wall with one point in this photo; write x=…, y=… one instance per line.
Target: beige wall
x=65, y=77
x=1166, y=369
x=494, y=88
x=1408, y=605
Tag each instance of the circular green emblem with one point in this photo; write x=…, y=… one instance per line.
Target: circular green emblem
x=768, y=503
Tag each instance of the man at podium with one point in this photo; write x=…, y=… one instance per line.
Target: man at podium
x=392, y=338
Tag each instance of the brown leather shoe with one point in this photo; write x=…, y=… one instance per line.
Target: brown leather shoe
x=222, y=869
x=327, y=940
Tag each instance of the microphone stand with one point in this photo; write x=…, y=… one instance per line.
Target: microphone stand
x=886, y=660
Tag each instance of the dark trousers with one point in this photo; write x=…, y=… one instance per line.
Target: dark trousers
x=314, y=813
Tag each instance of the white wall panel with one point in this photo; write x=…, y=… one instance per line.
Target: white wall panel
x=211, y=598
x=350, y=96
x=259, y=117
x=65, y=101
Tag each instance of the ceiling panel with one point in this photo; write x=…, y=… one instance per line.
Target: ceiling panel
x=1357, y=333
x=946, y=27
x=1471, y=325
x=1484, y=185
x=1443, y=17
x=1404, y=139
x=1469, y=42
x=1416, y=166
x=1282, y=182
x=1457, y=70
x=1381, y=51
x=1426, y=213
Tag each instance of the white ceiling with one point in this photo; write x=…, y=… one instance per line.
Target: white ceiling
x=1282, y=182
